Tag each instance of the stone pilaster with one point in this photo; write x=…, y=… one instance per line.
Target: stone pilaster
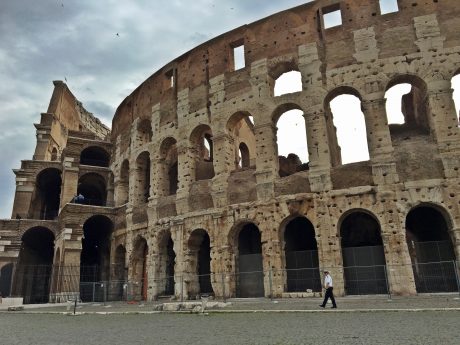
x=266, y=160
x=318, y=150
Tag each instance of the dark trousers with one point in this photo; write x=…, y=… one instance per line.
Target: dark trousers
x=329, y=294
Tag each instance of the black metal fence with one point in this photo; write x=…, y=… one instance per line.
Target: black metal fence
x=43, y=284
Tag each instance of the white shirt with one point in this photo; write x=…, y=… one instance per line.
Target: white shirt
x=328, y=281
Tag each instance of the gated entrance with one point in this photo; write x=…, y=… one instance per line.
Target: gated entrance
x=250, y=276
x=363, y=255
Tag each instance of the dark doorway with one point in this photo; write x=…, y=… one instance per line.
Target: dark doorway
x=170, y=262
x=47, y=195
x=363, y=255
x=119, y=274
x=199, y=246
x=95, y=156
x=431, y=250
x=95, y=259
x=301, y=252
x=34, y=270
x=250, y=275
x=140, y=254
x=6, y=274
x=93, y=188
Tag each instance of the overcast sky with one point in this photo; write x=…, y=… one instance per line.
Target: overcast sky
x=77, y=42
x=46, y=40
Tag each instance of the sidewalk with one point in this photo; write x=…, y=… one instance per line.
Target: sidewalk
x=300, y=305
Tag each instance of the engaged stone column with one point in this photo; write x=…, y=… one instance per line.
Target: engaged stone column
x=398, y=263
x=455, y=236
x=379, y=141
x=444, y=124
x=69, y=181
x=223, y=159
x=329, y=246
x=318, y=150
x=266, y=160
x=186, y=173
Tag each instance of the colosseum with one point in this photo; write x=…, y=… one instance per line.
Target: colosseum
x=187, y=195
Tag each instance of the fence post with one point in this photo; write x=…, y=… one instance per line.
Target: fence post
x=456, y=276
x=270, y=283
x=386, y=281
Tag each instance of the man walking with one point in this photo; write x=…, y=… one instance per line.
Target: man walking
x=329, y=293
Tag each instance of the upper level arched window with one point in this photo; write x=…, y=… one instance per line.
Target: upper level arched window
x=288, y=82
x=95, y=156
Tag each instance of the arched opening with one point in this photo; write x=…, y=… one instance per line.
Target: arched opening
x=301, y=254
x=33, y=274
x=123, y=184
x=346, y=127
x=244, y=157
x=140, y=277
x=288, y=82
x=169, y=176
x=54, y=154
x=143, y=177
x=6, y=275
x=200, y=254
x=250, y=275
x=407, y=107
x=95, y=259
x=240, y=128
x=144, y=132
x=363, y=255
x=201, y=140
x=292, y=154
x=95, y=156
x=92, y=187
x=119, y=274
x=431, y=250
x=167, y=261
x=47, y=195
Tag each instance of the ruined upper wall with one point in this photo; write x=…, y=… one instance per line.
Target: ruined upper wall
x=280, y=35
x=71, y=114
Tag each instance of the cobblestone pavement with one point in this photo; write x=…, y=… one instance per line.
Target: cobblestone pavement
x=350, y=303
x=381, y=327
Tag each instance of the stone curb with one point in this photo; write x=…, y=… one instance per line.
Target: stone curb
x=261, y=311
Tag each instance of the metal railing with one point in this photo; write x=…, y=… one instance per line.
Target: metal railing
x=42, y=284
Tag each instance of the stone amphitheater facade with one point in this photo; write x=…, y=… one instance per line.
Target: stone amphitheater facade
x=167, y=204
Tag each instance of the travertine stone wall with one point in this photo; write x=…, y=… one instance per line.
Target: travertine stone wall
x=364, y=57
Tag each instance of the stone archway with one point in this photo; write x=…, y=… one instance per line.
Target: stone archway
x=95, y=258
x=431, y=250
x=139, y=267
x=200, y=263
x=363, y=255
x=35, y=265
x=249, y=262
x=301, y=256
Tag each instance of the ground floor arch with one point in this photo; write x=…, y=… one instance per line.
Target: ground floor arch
x=34, y=270
x=199, y=255
x=166, y=265
x=139, y=267
x=301, y=256
x=431, y=250
x=6, y=275
x=95, y=258
x=249, y=263
x=363, y=254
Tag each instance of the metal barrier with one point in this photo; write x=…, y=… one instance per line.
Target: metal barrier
x=45, y=283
